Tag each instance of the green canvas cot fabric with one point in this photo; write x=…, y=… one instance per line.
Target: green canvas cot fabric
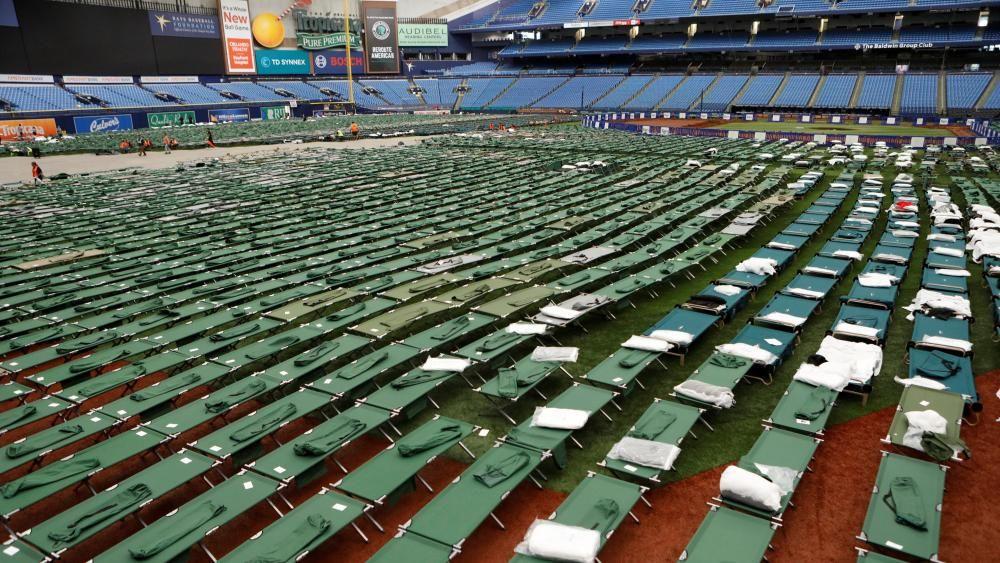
x=903, y=498
x=602, y=517
x=203, y=514
x=636, y=357
x=87, y=342
x=167, y=386
x=653, y=426
x=453, y=328
x=363, y=365
x=419, y=376
x=316, y=353
x=264, y=424
x=728, y=361
x=111, y=380
x=815, y=404
x=497, y=341
x=275, y=345
x=122, y=502
x=347, y=312
x=38, y=443
x=100, y=359
x=235, y=332
x=941, y=447
x=9, y=418
x=445, y=434
x=47, y=475
x=313, y=527
x=330, y=440
x=494, y=474
x=235, y=397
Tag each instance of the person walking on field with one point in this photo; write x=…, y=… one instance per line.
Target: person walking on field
x=209, y=139
x=36, y=173
x=166, y=144
x=355, y=130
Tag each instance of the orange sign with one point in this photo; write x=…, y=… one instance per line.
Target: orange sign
x=26, y=129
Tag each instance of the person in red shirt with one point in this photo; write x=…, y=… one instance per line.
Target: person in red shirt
x=36, y=172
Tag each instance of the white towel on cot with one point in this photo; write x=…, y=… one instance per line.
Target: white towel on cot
x=678, y=337
x=726, y=289
x=560, y=419
x=749, y=488
x=562, y=313
x=751, y=352
x=555, y=354
x=647, y=344
x=457, y=365
x=526, y=328
x=553, y=541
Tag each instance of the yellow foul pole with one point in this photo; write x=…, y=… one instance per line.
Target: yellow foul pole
x=347, y=49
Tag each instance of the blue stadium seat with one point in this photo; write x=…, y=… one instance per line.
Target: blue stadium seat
x=193, y=94
x=440, y=91
x=859, y=36
x=723, y=92
x=944, y=34
x=785, y=40
x=648, y=98
x=919, y=94
x=716, y=41
x=836, y=91
x=798, y=91
x=579, y=92
x=34, y=97
x=965, y=89
x=396, y=92
x=624, y=92
x=657, y=43
x=761, y=90
x=120, y=95
x=877, y=91
x=249, y=91
x=482, y=90
x=302, y=90
x=527, y=91
x=688, y=93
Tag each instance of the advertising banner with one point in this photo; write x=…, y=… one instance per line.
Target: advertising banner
x=381, y=48
x=173, y=24
x=231, y=115
x=8, y=17
x=171, y=118
x=168, y=79
x=423, y=35
x=276, y=112
x=97, y=79
x=102, y=123
x=33, y=78
x=26, y=129
x=320, y=41
x=335, y=62
x=237, y=39
x=281, y=61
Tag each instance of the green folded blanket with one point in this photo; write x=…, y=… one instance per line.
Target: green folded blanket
x=110, y=509
x=653, y=426
x=727, y=361
x=38, y=443
x=636, y=357
x=815, y=404
x=88, y=342
x=444, y=435
x=418, y=377
x=299, y=540
x=457, y=326
x=367, y=363
x=235, y=332
x=329, y=440
x=941, y=447
x=236, y=397
x=601, y=516
x=167, y=386
x=904, y=499
x=316, y=353
x=111, y=380
x=200, y=516
x=47, y=475
x=277, y=344
x=347, y=313
x=263, y=424
x=13, y=416
x=498, y=341
x=99, y=359
x=496, y=473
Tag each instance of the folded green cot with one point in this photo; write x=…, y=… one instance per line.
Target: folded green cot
x=904, y=513
x=621, y=370
x=22, y=492
x=174, y=534
x=730, y=536
x=304, y=529
x=354, y=313
x=584, y=278
x=665, y=422
x=29, y=413
x=123, y=379
x=35, y=448
x=720, y=370
x=248, y=430
x=552, y=441
x=387, y=282
x=409, y=393
x=512, y=383
x=406, y=546
x=803, y=408
x=455, y=512
x=530, y=272
x=387, y=475
x=79, y=522
x=359, y=375
x=447, y=333
x=516, y=301
x=776, y=448
x=165, y=391
x=940, y=447
x=14, y=391
x=399, y=319
x=598, y=503
x=311, y=448
x=493, y=346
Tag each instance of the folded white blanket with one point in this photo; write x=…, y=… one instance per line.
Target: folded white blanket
x=941, y=237
x=953, y=272
x=918, y=422
x=526, y=328
x=865, y=360
x=913, y=224
x=749, y=488
x=875, y=279
x=784, y=319
x=717, y=395
x=856, y=330
x=848, y=254
x=553, y=541
x=677, y=337
x=984, y=243
x=457, y=365
x=905, y=234
x=781, y=245
x=831, y=375
x=819, y=271
x=726, y=289
x=751, y=352
x=560, y=419
x=647, y=344
x=759, y=266
x=930, y=299
x=945, y=342
x=948, y=251
x=647, y=453
x=807, y=293
x=557, y=312
x=555, y=354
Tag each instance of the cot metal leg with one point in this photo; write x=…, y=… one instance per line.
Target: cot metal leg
x=634, y=518
x=340, y=465
x=578, y=444
x=282, y=497
x=360, y=533
x=374, y=523
x=394, y=429
x=272, y=505
x=207, y=552
x=705, y=422
x=693, y=435
x=466, y=450
x=542, y=395
x=497, y=520
x=639, y=383
x=535, y=481
x=646, y=502
x=425, y=483
x=662, y=365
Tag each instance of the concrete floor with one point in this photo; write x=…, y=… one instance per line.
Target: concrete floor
x=18, y=168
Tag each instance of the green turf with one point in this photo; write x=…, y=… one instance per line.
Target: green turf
x=835, y=128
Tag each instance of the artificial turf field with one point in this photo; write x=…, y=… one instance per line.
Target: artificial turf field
x=735, y=430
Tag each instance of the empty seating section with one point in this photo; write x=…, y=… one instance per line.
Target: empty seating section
x=559, y=11
x=657, y=43
x=667, y=9
x=836, y=91
x=798, y=90
x=993, y=100
x=656, y=91
x=440, y=92
x=761, y=90
x=718, y=41
x=526, y=91
x=482, y=90
x=340, y=87
x=730, y=7
x=30, y=97
x=473, y=69
x=688, y=93
x=611, y=10
x=545, y=48
x=119, y=95
x=302, y=90
x=919, y=93
x=624, y=92
x=964, y=90
x=861, y=36
x=189, y=93
x=723, y=92
x=877, y=91
x=600, y=45
x=944, y=34
x=396, y=92
x=578, y=92
x=249, y=91
x=785, y=39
